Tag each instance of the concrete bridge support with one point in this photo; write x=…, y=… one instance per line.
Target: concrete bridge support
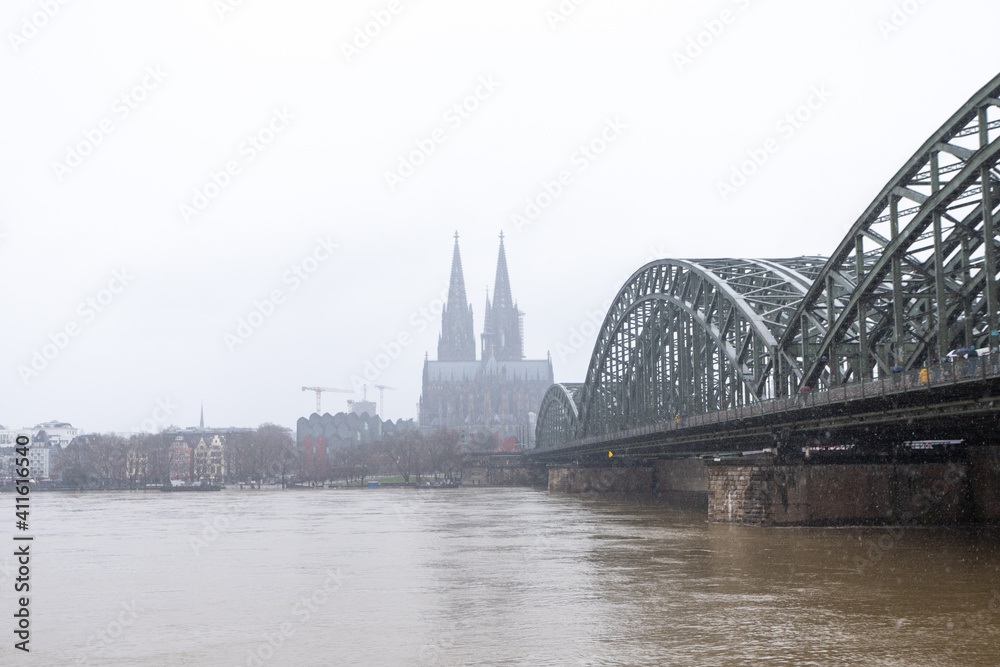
x=600, y=479
x=684, y=480
x=502, y=470
x=681, y=480
x=762, y=492
x=984, y=482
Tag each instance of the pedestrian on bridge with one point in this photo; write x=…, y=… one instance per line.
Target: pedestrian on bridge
x=803, y=395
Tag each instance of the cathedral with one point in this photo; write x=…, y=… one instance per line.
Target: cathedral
x=494, y=399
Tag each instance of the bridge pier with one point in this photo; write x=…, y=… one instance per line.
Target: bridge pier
x=984, y=479
x=681, y=481
x=763, y=492
x=676, y=480
x=575, y=478
x=491, y=469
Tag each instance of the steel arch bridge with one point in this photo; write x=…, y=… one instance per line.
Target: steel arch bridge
x=915, y=277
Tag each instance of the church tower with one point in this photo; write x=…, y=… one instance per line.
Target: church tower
x=502, y=321
x=493, y=401
x=457, y=341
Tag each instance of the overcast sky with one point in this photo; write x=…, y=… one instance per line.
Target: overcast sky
x=169, y=169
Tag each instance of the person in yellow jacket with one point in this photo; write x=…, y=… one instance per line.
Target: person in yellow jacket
x=923, y=376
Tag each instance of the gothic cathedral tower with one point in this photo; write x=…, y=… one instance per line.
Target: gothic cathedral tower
x=457, y=341
x=495, y=400
x=502, y=322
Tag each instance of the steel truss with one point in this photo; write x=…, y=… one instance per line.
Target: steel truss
x=912, y=279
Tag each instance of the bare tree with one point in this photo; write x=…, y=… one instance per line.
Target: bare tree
x=109, y=454
x=406, y=450
x=158, y=458
x=359, y=461
x=267, y=452
x=277, y=450
x=75, y=464
x=238, y=456
x=139, y=451
x=340, y=466
x=445, y=452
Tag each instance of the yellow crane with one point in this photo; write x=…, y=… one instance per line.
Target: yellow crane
x=319, y=393
x=381, y=398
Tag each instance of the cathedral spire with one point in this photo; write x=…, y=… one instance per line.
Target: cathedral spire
x=487, y=317
x=201, y=422
x=502, y=333
x=457, y=341
x=501, y=285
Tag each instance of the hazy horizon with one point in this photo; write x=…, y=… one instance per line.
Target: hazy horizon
x=185, y=166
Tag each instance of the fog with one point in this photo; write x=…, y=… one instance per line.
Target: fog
x=220, y=201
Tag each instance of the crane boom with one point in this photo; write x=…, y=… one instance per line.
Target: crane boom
x=319, y=392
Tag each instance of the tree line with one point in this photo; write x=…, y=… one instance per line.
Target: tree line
x=268, y=453
x=413, y=455
x=112, y=461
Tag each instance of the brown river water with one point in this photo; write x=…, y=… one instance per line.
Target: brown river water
x=486, y=577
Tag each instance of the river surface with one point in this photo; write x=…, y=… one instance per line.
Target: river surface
x=486, y=577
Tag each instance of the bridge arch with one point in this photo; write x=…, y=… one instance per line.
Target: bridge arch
x=690, y=336
x=925, y=260
x=559, y=415
x=915, y=277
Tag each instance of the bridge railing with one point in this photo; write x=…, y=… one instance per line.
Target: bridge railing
x=950, y=372
x=945, y=373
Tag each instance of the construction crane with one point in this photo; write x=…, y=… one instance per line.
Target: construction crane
x=381, y=398
x=319, y=392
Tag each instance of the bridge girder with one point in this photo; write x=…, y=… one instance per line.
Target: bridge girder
x=908, y=283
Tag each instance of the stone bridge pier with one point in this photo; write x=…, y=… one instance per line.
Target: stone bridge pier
x=683, y=480
x=760, y=490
